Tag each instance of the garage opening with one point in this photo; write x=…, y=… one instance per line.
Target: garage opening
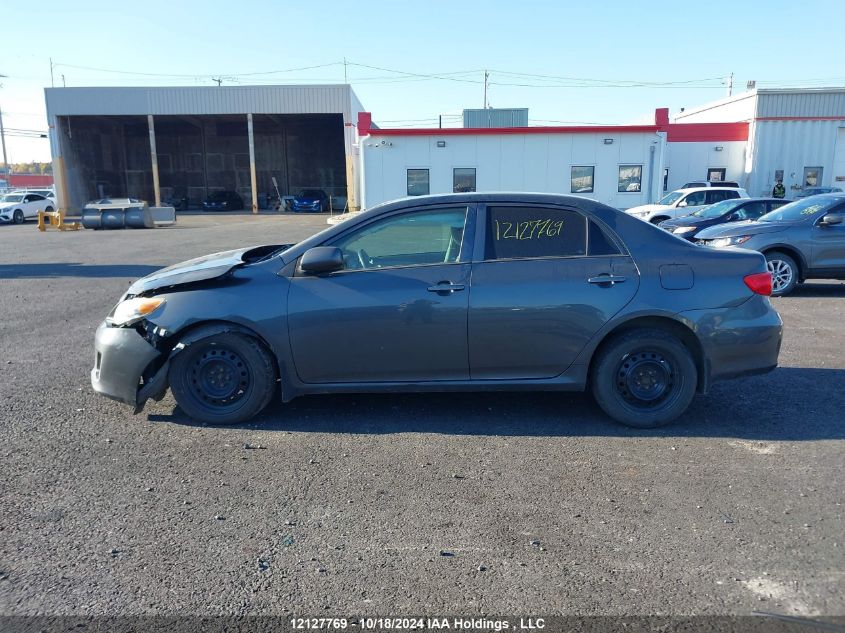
x=110, y=156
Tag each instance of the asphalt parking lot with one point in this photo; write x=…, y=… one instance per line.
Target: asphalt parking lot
x=437, y=504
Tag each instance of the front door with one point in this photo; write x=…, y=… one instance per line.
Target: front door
x=397, y=312
x=828, y=249
x=549, y=280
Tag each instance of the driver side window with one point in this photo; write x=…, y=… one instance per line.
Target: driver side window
x=410, y=239
x=695, y=199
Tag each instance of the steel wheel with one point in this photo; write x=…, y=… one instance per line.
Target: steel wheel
x=645, y=379
x=226, y=378
x=220, y=377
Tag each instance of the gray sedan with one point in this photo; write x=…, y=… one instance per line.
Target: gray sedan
x=802, y=240
x=447, y=293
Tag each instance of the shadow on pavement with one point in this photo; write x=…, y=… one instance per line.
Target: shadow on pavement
x=74, y=269
x=790, y=404
x=816, y=290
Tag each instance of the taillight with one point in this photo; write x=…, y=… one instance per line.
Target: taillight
x=760, y=283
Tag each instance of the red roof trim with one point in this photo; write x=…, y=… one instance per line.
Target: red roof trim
x=707, y=132
x=486, y=131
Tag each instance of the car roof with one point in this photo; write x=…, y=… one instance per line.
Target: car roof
x=693, y=189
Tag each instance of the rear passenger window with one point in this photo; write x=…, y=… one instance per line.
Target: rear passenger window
x=598, y=242
x=716, y=196
x=534, y=232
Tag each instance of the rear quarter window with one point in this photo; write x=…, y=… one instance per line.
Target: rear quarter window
x=534, y=232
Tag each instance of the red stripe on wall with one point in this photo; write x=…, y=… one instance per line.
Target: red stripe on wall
x=482, y=131
x=704, y=132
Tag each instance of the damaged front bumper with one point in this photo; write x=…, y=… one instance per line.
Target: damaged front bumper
x=122, y=363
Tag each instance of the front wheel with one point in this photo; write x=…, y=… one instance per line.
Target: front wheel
x=784, y=273
x=223, y=379
x=644, y=378
x=48, y=210
x=17, y=216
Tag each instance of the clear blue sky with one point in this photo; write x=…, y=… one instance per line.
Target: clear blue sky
x=779, y=43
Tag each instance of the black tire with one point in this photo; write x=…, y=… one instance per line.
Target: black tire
x=644, y=378
x=17, y=217
x=223, y=379
x=784, y=273
x=48, y=210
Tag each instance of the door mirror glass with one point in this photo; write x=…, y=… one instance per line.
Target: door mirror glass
x=682, y=203
x=831, y=219
x=321, y=259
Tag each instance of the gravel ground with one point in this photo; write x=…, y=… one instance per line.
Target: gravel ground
x=432, y=504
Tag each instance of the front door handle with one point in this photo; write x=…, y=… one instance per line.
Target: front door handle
x=606, y=279
x=445, y=287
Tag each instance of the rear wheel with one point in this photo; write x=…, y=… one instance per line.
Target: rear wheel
x=784, y=273
x=644, y=378
x=223, y=379
x=17, y=216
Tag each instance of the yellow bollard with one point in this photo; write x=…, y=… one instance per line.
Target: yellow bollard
x=55, y=219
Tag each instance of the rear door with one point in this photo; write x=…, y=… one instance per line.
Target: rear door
x=545, y=279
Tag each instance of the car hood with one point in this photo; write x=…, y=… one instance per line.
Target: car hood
x=4, y=206
x=687, y=220
x=648, y=208
x=747, y=227
x=204, y=268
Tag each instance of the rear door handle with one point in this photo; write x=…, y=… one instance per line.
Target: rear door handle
x=607, y=279
x=445, y=288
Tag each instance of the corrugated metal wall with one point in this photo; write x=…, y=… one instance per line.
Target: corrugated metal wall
x=187, y=100
x=809, y=103
x=792, y=146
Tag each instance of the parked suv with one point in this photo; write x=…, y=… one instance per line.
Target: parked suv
x=802, y=240
x=683, y=202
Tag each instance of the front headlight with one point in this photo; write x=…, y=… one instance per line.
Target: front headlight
x=683, y=229
x=729, y=241
x=133, y=310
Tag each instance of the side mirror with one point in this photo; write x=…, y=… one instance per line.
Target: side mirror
x=321, y=259
x=682, y=203
x=831, y=218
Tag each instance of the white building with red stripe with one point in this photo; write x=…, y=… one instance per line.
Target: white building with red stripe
x=620, y=165
x=751, y=138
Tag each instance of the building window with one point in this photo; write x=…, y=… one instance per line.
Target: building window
x=531, y=232
x=665, y=180
x=716, y=174
x=418, y=183
x=630, y=178
x=812, y=176
x=581, y=179
x=463, y=179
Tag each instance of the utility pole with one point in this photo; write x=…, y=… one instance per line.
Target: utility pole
x=486, y=77
x=730, y=84
x=219, y=80
x=52, y=84
x=3, y=141
x=344, y=71
x=64, y=85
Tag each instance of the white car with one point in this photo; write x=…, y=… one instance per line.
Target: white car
x=19, y=206
x=683, y=202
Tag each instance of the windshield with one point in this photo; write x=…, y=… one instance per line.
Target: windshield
x=800, y=210
x=12, y=197
x=669, y=198
x=717, y=210
x=310, y=193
